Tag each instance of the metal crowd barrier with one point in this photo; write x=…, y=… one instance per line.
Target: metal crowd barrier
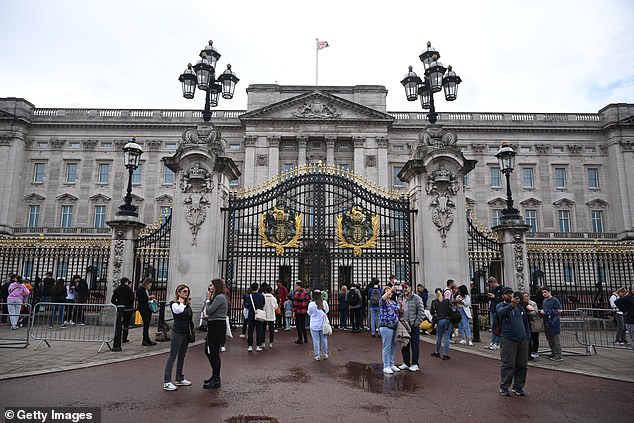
x=601, y=326
x=19, y=337
x=73, y=322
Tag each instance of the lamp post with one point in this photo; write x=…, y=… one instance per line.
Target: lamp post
x=203, y=75
x=437, y=77
x=131, y=157
x=506, y=161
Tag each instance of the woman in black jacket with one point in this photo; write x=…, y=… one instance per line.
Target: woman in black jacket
x=440, y=308
x=143, y=298
x=182, y=329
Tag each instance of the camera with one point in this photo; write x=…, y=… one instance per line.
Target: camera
x=399, y=289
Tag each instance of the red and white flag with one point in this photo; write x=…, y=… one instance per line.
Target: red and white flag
x=322, y=45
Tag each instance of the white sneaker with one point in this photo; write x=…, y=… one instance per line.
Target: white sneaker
x=270, y=345
x=396, y=369
x=183, y=382
x=463, y=341
x=495, y=347
x=169, y=386
x=72, y=323
x=535, y=355
x=223, y=349
x=242, y=335
x=470, y=344
x=317, y=358
x=403, y=366
x=275, y=331
x=413, y=368
x=388, y=370
x=488, y=347
x=258, y=348
x=250, y=349
x=325, y=357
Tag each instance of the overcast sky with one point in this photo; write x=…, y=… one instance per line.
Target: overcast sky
x=531, y=56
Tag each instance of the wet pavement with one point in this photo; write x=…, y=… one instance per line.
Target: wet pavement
x=286, y=384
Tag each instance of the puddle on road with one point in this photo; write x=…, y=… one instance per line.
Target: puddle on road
x=370, y=377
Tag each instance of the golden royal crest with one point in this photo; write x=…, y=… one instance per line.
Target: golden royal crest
x=357, y=229
x=280, y=229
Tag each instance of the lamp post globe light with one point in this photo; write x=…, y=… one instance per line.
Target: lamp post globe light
x=131, y=158
x=437, y=77
x=506, y=161
x=203, y=76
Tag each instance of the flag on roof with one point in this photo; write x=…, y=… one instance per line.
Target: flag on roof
x=322, y=45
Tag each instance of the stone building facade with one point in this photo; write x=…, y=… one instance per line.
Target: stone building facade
x=63, y=168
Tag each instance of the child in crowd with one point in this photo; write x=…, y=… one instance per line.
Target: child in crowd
x=288, y=312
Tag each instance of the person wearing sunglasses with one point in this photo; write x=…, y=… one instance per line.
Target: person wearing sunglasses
x=182, y=330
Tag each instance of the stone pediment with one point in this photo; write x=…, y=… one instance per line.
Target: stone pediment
x=564, y=202
x=100, y=198
x=497, y=202
x=164, y=198
x=531, y=202
x=316, y=106
x=66, y=197
x=597, y=202
x=34, y=197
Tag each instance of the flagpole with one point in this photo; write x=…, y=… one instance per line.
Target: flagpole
x=317, y=62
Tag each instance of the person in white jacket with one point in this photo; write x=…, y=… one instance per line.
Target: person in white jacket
x=270, y=304
x=317, y=309
x=463, y=301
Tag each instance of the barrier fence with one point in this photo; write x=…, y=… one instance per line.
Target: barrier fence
x=73, y=322
x=10, y=318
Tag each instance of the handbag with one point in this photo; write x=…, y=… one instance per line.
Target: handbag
x=153, y=305
x=326, y=328
x=454, y=316
x=228, y=329
x=260, y=315
x=192, y=334
x=537, y=325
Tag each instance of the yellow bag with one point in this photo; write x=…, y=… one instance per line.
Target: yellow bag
x=425, y=325
x=138, y=320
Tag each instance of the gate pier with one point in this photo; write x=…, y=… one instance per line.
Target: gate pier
x=435, y=177
x=202, y=171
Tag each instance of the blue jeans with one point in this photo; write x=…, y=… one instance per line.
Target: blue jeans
x=374, y=319
x=343, y=318
x=57, y=308
x=494, y=339
x=287, y=320
x=463, y=327
x=388, y=345
x=443, y=330
x=319, y=339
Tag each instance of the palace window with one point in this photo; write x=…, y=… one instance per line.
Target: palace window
x=168, y=176
x=593, y=178
x=597, y=221
x=38, y=173
x=531, y=219
x=528, y=177
x=34, y=216
x=564, y=220
x=100, y=216
x=496, y=215
x=104, y=173
x=495, y=177
x=396, y=182
x=136, y=175
x=71, y=173
x=66, y=220
x=560, y=177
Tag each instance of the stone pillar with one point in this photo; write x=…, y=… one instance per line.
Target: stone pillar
x=384, y=170
x=125, y=232
x=515, y=264
x=435, y=173
x=330, y=150
x=203, y=172
x=249, y=160
x=274, y=155
x=302, y=143
x=359, y=155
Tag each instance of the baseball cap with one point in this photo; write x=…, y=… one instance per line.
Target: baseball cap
x=507, y=290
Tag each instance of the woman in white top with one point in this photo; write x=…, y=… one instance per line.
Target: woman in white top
x=463, y=301
x=270, y=304
x=317, y=309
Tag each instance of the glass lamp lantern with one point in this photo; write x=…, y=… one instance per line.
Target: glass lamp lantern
x=228, y=79
x=506, y=158
x=189, y=79
x=411, y=82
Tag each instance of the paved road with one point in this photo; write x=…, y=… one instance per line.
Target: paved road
x=287, y=384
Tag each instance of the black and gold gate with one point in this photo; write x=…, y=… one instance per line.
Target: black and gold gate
x=322, y=225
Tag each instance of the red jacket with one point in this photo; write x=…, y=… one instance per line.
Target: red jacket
x=300, y=301
x=282, y=294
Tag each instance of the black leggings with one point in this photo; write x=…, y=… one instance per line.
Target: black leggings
x=300, y=323
x=146, y=315
x=216, y=336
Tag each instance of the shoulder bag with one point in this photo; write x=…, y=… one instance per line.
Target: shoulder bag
x=537, y=324
x=260, y=315
x=326, y=328
x=153, y=305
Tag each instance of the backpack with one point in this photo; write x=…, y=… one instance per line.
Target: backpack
x=375, y=297
x=353, y=298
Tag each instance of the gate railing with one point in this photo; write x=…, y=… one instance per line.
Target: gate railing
x=31, y=257
x=152, y=252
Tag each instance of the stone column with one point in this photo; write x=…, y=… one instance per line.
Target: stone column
x=249, y=160
x=330, y=150
x=125, y=232
x=203, y=172
x=274, y=155
x=359, y=155
x=435, y=173
x=515, y=264
x=384, y=170
x=302, y=143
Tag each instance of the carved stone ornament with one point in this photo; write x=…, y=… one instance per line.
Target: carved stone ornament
x=518, y=259
x=575, y=148
x=316, y=110
x=195, y=184
x=442, y=187
x=370, y=161
x=208, y=135
x=90, y=144
x=542, y=148
x=431, y=138
x=119, y=246
x=57, y=143
x=261, y=160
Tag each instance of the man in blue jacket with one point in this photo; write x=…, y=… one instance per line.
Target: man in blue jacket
x=515, y=335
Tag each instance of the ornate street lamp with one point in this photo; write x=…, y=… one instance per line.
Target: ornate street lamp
x=131, y=157
x=203, y=76
x=506, y=161
x=437, y=77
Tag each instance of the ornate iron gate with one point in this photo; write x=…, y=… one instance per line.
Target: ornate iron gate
x=319, y=224
x=151, y=255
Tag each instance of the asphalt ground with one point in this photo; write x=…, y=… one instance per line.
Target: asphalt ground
x=286, y=384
